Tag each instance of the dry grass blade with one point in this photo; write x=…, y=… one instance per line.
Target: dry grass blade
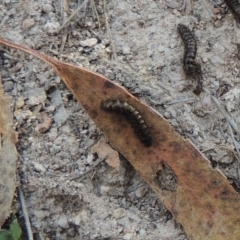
x=201, y=198
x=224, y=112
x=109, y=31
x=95, y=12
x=73, y=15
x=25, y=214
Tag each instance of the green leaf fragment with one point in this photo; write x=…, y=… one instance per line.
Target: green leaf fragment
x=15, y=230
x=5, y=235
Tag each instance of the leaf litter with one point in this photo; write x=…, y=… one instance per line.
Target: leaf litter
x=164, y=169
x=192, y=200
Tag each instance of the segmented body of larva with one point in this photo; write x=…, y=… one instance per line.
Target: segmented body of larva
x=234, y=5
x=190, y=66
x=133, y=117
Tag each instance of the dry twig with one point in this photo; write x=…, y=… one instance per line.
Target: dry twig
x=83, y=175
x=64, y=11
x=96, y=13
x=3, y=21
x=73, y=15
x=237, y=148
x=25, y=214
x=64, y=39
x=206, y=5
x=109, y=31
x=231, y=124
x=224, y=112
x=181, y=101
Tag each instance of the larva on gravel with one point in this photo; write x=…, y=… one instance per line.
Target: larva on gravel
x=234, y=5
x=132, y=116
x=198, y=77
x=190, y=66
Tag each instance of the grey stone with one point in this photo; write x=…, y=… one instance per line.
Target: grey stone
x=63, y=222
x=36, y=96
x=8, y=86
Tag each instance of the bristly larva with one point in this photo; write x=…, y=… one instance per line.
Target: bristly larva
x=190, y=66
x=133, y=117
x=1, y=59
x=198, y=77
x=234, y=5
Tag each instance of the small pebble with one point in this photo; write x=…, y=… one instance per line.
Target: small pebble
x=119, y=213
x=207, y=102
x=52, y=27
x=89, y=42
x=177, y=13
x=19, y=103
x=142, y=232
x=218, y=23
x=28, y=23
x=47, y=8
x=216, y=10
x=63, y=222
x=36, y=96
x=38, y=167
x=20, y=114
x=90, y=159
x=8, y=86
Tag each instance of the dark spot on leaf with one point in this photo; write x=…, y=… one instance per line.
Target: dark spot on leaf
x=108, y=84
x=176, y=147
x=93, y=114
x=225, y=194
x=215, y=183
x=210, y=223
x=161, y=137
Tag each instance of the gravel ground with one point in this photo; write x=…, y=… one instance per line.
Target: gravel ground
x=143, y=52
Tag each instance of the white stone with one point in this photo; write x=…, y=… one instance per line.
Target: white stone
x=90, y=42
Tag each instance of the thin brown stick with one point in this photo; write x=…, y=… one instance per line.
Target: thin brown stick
x=224, y=112
x=181, y=101
x=73, y=15
x=96, y=13
x=3, y=21
x=114, y=56
x=237, y=148
x=207, y=8
x=65, y=5
x=64, y=39
x=64, y=12
x=25, y=214
x=83, y=175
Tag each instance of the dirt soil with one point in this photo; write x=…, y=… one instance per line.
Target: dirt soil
x=142, y=51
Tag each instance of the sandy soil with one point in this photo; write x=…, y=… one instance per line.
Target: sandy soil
x=145, y=56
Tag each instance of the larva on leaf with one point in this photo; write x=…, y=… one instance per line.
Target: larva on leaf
x=132, y=116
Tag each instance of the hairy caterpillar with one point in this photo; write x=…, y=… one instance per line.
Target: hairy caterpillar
x=234, y=5
x=198, y=76
x=133, y=117
x=190, y=66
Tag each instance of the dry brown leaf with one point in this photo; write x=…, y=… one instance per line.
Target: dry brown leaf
x=105, y=151
x=202, y=199
x=8, y=156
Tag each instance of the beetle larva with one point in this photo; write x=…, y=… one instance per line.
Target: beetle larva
x=198, y=76
x=190, y=66
x=234, y=5
x=133, y=117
